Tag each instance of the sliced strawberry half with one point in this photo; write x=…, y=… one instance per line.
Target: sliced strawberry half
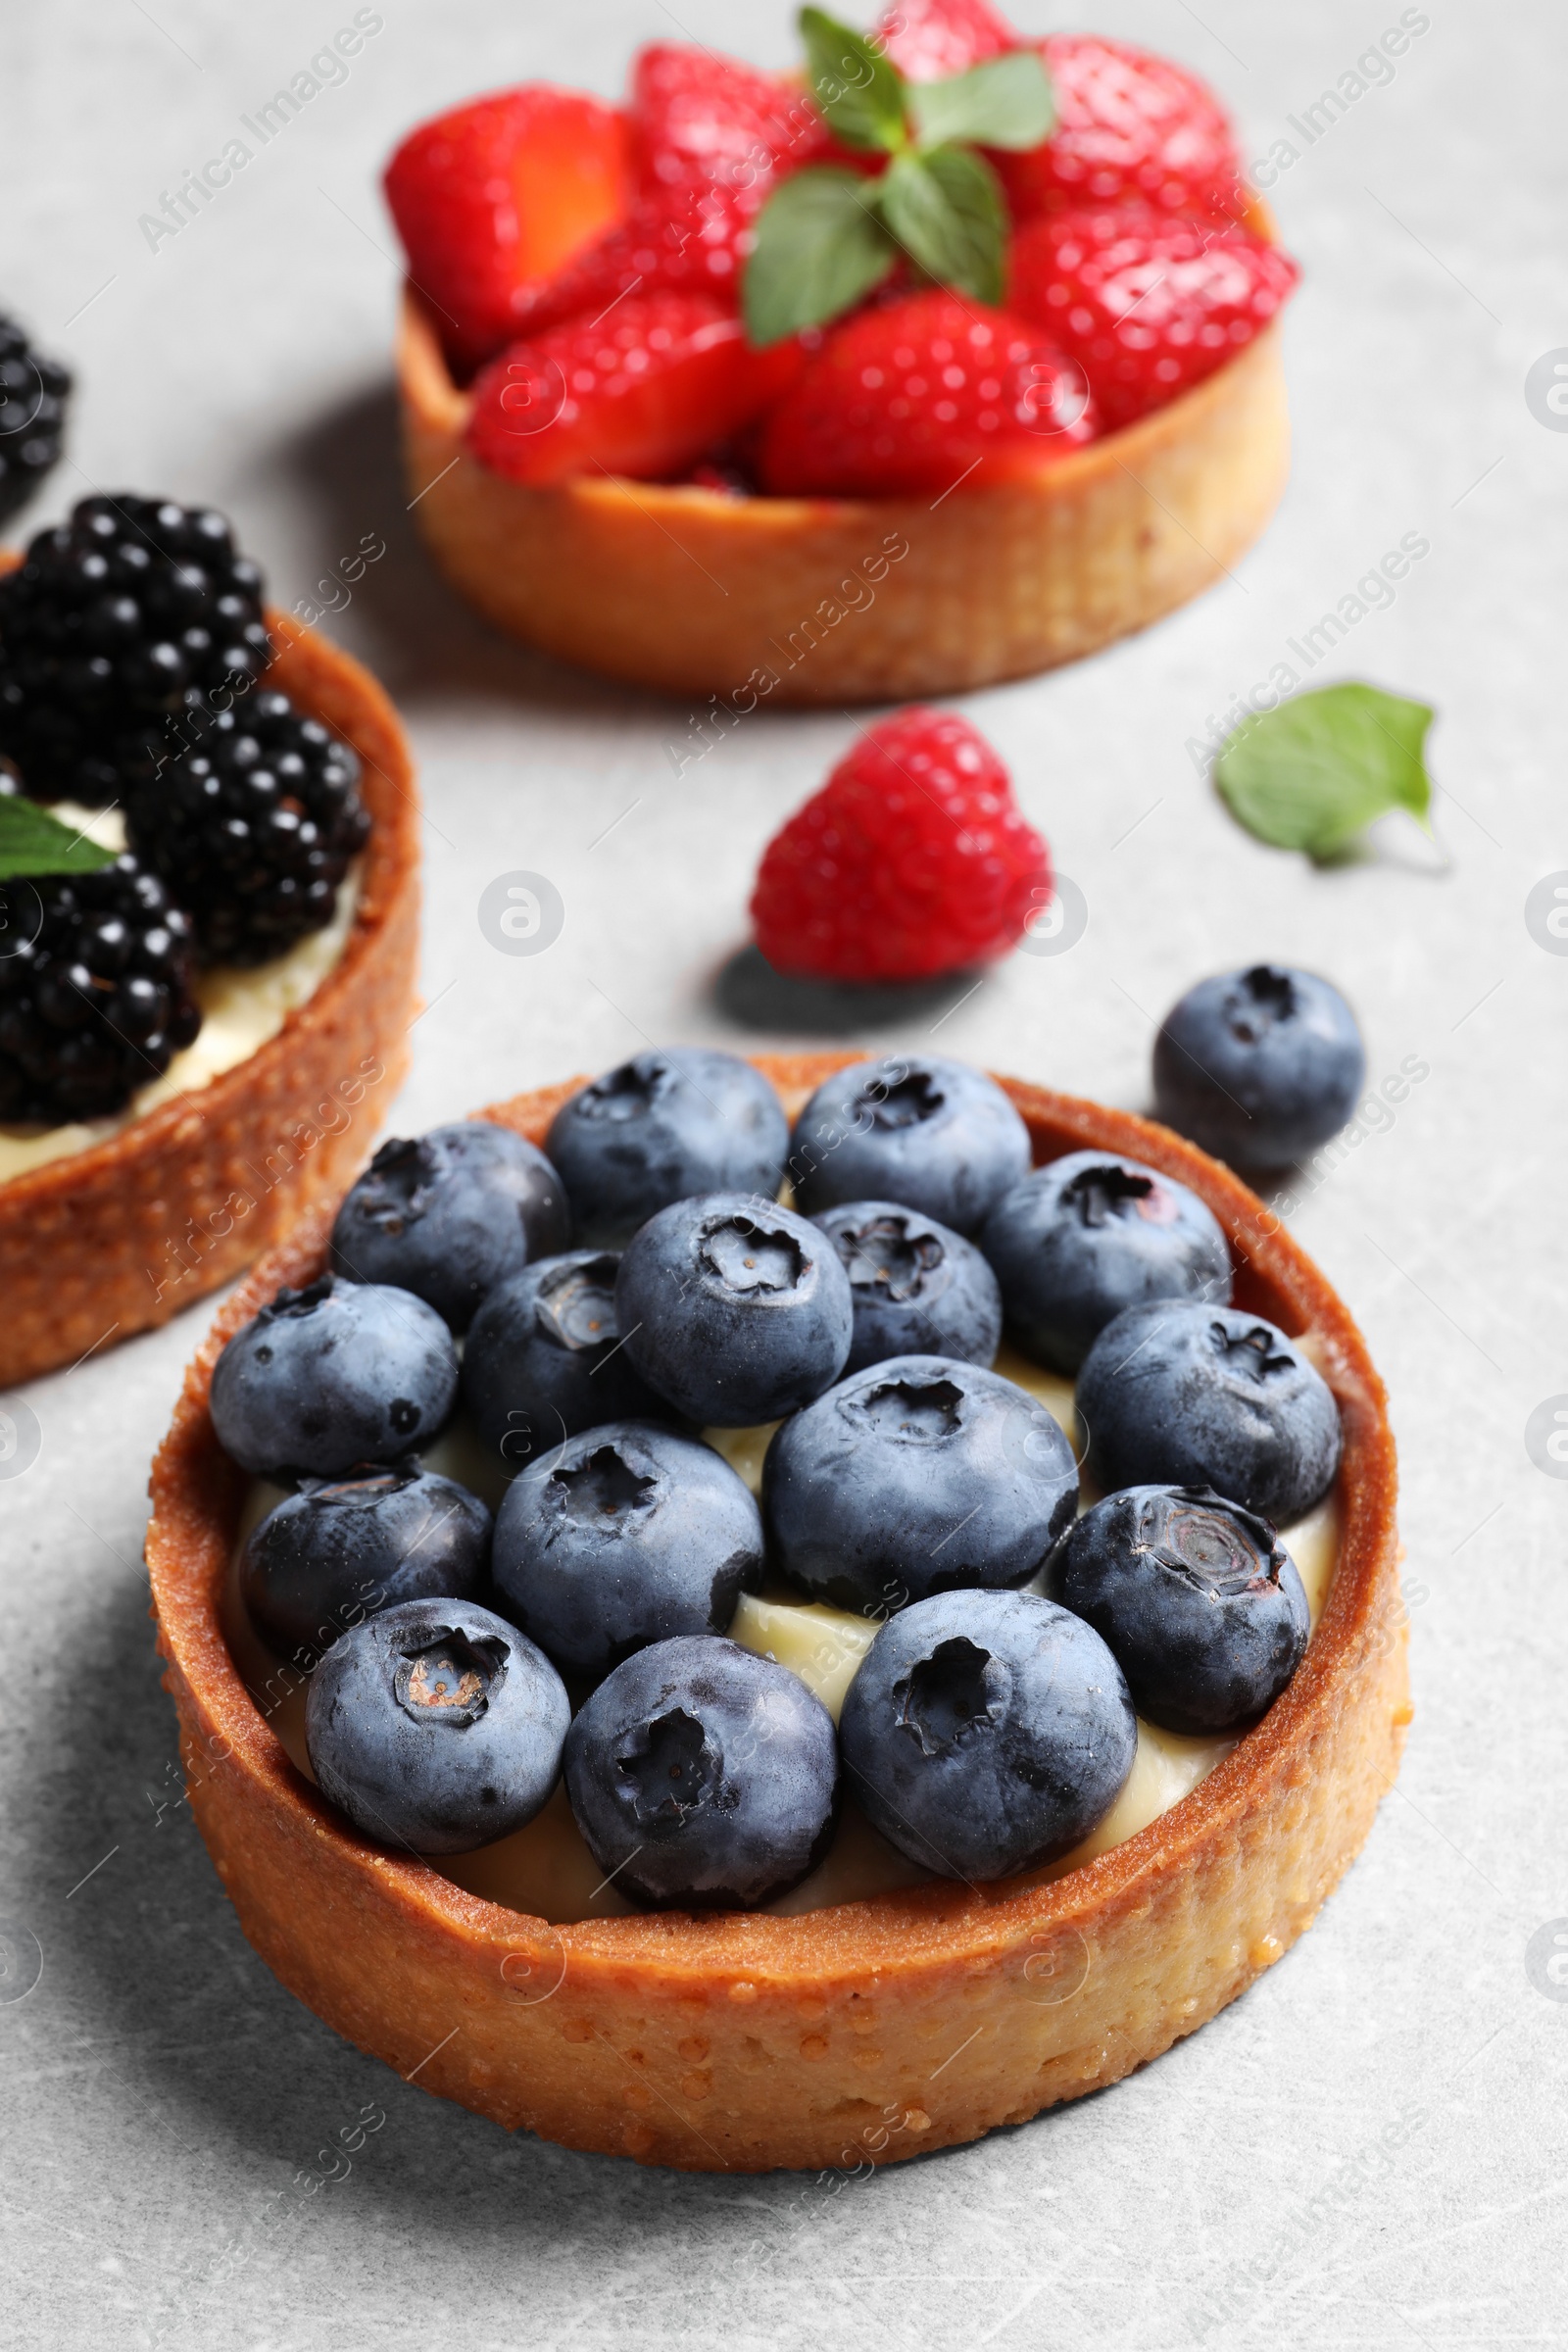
x=925, y=394
x=1147, y=302
x=645, y=392
x=929, y=39
x=499, y=194
x=913, y=858
x=711, y=137
x=1128, y=123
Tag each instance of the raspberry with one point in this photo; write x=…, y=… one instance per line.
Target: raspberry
x=1127, y=125
x=913, y=860
x=929, y=39
x=1147, y=302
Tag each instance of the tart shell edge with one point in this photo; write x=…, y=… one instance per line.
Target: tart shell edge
x=120, y=1237
x=842, y=2038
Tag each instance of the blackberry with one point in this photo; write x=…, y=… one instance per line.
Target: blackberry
x=132, y=611
x=33, y=415
x=95, y=994
x=253, y=827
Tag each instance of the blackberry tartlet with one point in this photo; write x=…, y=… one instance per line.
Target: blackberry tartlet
x=200, y=1037
x=624, y=1981
x=33, y=391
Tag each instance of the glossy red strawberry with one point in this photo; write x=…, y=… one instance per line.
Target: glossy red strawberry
x=1128, y=123
x=1147, y=302
x=710, y=138
x=500, y=193
x=644, y=392
x=921, y=394
x=929, y=39
x=913, y=860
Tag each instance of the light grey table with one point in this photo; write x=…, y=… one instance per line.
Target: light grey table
x=1371, y=2147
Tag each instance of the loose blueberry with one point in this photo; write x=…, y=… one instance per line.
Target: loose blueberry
x=436, y=1726
x=660, y=1127
x=735, y=1309
x=623, y=1536
x=987, y=1733
x=932, y=1135
x=914, y=1477
x=343, y=1549
x=543, y=1358
x=1202, y=1607
x=1181, y=1394
x=1259, y=1067
x=1078, y=1241
x=917, y=1286
x=703, y=1776
x=330, y=1377
x=449, y=1214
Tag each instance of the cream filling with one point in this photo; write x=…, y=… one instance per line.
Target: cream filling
x=545, y=1869
x=241, y=1012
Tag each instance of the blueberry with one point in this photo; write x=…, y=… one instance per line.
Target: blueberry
x=451, y=1214
x=1259, y=1067
x=660, y=1127
x=735, y=1309
x=987, y=1733
x=1204, y=1608
x=436, y=1726
x=1177, y=1394
x=330, y=1377
x=915, y=1477
x=343, y=1549
x=1078, y=1241
x=917, y=1286
x=623, y=1536
x=929, y=1134
x=543, y=1358
x=703, y=1776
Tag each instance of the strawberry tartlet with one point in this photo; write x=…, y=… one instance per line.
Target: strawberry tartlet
x=949, y=360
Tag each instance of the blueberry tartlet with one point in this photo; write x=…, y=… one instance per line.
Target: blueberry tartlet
x=208, y=923
x=776, y=1737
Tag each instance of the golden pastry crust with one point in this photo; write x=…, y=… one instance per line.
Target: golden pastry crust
x=120, y=1237
x=797, y=600
x=857, y=2034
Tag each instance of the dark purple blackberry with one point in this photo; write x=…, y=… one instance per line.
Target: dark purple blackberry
x=95, y=996
x=33, y=415
x=252, y=828
x=121, y=621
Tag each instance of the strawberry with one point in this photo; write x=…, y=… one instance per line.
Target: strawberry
x=1127, y=125
x=710, y=138
x=913, y=860
x=644, y=392
x=920, y=394
x=1147, y=302
x=929, y=39
x=698, y=117
x=499, y=193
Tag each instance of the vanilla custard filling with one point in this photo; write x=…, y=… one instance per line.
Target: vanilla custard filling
x=546, y=1871
x=242, y=1010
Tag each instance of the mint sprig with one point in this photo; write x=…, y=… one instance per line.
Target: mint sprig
x=1314, y=773
x=33, y=841
x=828, y=235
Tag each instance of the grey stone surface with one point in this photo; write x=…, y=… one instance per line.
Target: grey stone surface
x=1370, y=2149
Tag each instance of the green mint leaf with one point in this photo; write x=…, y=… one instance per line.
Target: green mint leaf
x=1006, y=102
x=33, y=841
x=819, y=247
x=860, y=94
x=944, y=207
x=1312, y=773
